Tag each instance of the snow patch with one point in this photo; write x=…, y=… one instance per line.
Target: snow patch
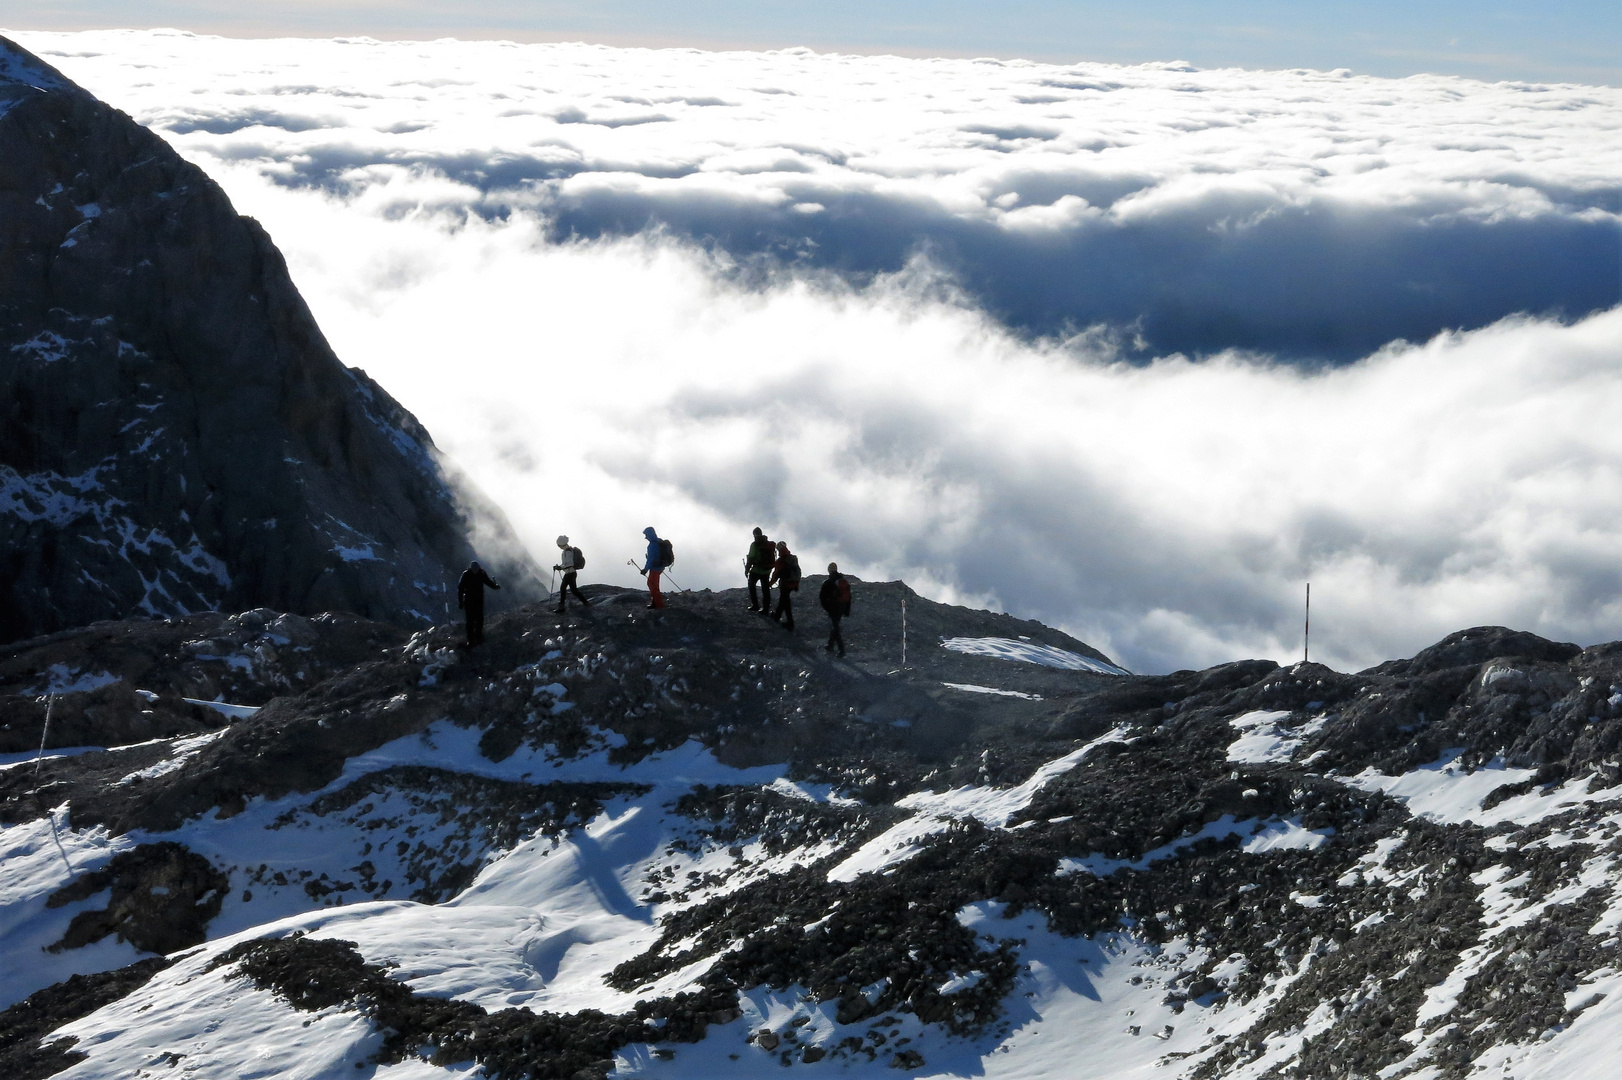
x=1271, y=834
x=1265, y=739
x=183, y=750
x=936, y=811
x=1031, y=653
x=1446, y=791
x=234, y=712
x=60, y=679
x=971, y=688
x=22, y=77
x=45, y=346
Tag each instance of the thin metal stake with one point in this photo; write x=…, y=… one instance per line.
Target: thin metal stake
x=903, y=629
x=1306, y=631
x=50, y=704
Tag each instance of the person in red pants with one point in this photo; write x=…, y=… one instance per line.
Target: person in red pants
x=653, y=565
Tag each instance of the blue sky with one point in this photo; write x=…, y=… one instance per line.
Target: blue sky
x=1564, y=40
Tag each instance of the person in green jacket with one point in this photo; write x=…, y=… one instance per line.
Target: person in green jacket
x=758, y=566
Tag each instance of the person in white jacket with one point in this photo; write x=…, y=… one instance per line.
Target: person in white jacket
x=570, y=564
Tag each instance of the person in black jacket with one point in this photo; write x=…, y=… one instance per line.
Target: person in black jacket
x=786, y=576
x=758, y=567
x=470, y=598
x=835, y=599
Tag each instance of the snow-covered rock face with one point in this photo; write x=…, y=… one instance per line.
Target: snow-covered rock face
x=691, y=846
x=22, y=75
x=179, y=435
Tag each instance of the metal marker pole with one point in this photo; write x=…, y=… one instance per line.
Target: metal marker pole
x=903, y=629
x=1306, y=631
x=50, y=704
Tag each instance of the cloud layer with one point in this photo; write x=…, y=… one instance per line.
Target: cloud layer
x=1307, y=215
x=882, y=307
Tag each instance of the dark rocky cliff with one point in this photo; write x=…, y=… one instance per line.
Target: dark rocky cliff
x=175, y=432
x=687, y=843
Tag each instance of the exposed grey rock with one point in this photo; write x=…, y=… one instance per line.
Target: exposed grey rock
x=176, y=434
x=1146, y=840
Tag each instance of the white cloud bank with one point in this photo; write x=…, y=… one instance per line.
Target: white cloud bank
x=707, y=291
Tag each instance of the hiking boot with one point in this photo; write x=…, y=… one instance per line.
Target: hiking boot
x=559, y=611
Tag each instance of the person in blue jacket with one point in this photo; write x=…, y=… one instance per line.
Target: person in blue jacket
x=652, y=565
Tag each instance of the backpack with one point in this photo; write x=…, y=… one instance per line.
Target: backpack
x=791, y=573
x=579, y=559
x=844, y=595
x=667, y=554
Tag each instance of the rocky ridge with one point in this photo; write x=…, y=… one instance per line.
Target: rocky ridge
x=176, y=434
x=666, y=844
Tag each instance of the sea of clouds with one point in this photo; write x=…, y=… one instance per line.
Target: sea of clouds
x=1136, y=351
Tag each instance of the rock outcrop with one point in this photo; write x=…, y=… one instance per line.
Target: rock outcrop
x=617, y=838
x=176, y=434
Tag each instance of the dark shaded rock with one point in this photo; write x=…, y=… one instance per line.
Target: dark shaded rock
x=27, y=1023
x=176, y=434
x=1473, y=647
x=246, y=659
x=515, y=1044
x=163, y=897
x=112, y=715
x=481, y=814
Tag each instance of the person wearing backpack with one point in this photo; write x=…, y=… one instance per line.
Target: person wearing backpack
x=573, y=561
x=786, y=576
x=758, y=566
x=835, y=599
x=660, y=554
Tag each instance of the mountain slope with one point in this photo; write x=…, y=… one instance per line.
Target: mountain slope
x=690, y=844
x=176, y=433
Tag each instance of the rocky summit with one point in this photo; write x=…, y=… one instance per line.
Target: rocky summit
x=176, y=435
x=689, y=843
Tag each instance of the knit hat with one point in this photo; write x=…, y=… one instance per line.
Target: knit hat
x=563, y=541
